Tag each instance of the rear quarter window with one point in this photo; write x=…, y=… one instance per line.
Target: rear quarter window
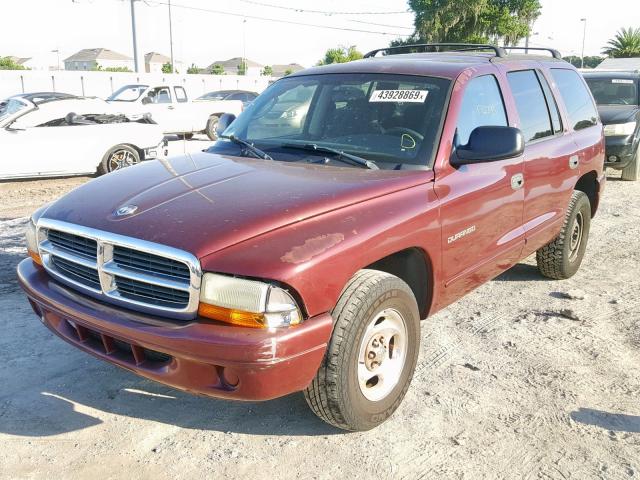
x=575, y=95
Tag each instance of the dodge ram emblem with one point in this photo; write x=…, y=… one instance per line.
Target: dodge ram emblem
x=126, y=210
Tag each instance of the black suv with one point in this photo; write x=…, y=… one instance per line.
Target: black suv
x=618, y=97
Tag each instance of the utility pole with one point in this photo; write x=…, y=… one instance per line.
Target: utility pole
x=135, y=42
x=584, y=35
x=171, y=38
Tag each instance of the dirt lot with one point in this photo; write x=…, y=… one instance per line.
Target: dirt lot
x=514, y=381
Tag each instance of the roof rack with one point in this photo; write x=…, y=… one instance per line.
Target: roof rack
x=499, y=52
x=555, y=53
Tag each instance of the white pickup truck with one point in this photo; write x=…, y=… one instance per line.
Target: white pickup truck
x=171, y=108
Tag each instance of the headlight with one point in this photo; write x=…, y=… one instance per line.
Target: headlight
x=247, y=303
x=619, y=129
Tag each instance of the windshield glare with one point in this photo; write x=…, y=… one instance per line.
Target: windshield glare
x=386, y=118
x=10, y=106
x=613, y=91
x=128, y=93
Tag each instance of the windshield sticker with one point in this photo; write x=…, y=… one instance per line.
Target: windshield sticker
x=621, y=80
x=413, y=96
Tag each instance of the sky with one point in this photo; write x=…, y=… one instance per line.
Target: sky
x=33, y=28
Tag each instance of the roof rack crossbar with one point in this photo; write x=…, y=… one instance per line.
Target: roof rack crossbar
x=498, y=51
x=555, y=53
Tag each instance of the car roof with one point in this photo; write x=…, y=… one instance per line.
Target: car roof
x=611, y=74
x=445, y=64
x=42, y=97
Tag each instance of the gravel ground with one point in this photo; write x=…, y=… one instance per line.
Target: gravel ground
x=523, y=378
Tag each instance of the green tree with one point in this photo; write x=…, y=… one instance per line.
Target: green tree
x=193, y=69
x=625, y=44
x=167, y=68
x=267, y=71
x=472, y=21
x=340, y=55
x=242, y=67
x=288, y=71
x=216, y=69
x=98, y=68
x=590, y=61
x=6, y=63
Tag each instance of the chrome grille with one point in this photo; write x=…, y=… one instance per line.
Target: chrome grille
x=137, y=274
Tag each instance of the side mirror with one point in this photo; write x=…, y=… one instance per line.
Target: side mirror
x=225, y=120
x=146, y=101
x=489, y=144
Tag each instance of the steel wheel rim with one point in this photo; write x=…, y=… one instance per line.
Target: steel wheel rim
x=382, y=354
x=575, y=238
x=121, y=158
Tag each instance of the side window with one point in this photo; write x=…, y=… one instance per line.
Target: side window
x=556, y=122
x=531, y=105
x=581, y=110
x=181, y=95
x=482, y=105
x=161, y=95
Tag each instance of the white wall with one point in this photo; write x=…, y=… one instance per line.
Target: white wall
x=103, y=84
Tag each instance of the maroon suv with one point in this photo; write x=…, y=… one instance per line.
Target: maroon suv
x=346, y=203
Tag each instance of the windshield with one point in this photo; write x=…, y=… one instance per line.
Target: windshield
x=128, y=93
x=10, y=106
x=614, y=91
x=214, y=96
x=390, y=119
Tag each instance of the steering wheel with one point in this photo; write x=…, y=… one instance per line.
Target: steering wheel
x=412, y=133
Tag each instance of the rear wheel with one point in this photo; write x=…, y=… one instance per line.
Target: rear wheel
x=210, y=130
x=117, y=158
x=372, y=353
x=632, y=171
x=562, y=257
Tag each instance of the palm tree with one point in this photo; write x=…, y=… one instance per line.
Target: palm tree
x=625, y=44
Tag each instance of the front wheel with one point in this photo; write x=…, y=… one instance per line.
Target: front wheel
x=212, y=125
x=562, y=257
x=372, y=353
x=117, y=158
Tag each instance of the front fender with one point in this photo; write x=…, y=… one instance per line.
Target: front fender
x=317, y=256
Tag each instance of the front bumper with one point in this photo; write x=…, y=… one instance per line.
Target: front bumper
x=622, y=148
x=200, y=357
x=160, y=151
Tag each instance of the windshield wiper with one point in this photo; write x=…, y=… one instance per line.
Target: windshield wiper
x=249, y=146
x=338, y=154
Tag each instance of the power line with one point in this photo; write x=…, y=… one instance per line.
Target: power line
x=323, y=12
x=278, y=20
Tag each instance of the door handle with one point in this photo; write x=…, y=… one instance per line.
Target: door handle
x=517, y=181
x=574, y=161
x=171, y=107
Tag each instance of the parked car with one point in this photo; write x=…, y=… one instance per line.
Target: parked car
x=244, y=96
x=47, y=134
x=171, y=108
x=618, y=97
x=287, y=261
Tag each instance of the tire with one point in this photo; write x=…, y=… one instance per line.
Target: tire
x=117, y=158
x=632, y=171
x=562, y=257
x=371, y=301
x=210, y=130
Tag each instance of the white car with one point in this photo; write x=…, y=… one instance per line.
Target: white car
x=171, y=108
x=53, y=134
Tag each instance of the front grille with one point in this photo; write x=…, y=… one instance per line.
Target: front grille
x=137, y=274
x=79, y=273
x=87, y=247
x=147, y=262
x=154, y=294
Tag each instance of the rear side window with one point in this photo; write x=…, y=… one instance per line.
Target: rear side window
x=580, y=108
x=552, y=104
x=535, y=121
x=181, y=95
x=482, y=105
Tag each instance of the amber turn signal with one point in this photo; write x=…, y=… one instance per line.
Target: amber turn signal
x=34, y=256
x=232, y=316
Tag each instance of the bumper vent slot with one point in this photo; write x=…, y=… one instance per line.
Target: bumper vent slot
x=149, y=263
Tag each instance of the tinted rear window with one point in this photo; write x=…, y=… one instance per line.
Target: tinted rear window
x=580, y=108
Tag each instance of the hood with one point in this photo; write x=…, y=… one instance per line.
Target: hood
x=205, y=202
x=610, y=114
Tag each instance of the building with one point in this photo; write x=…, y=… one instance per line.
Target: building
x=620, y=64
x=153, y=62
x=24, y=62
x=231, y=66
x=282, y=70
x=92, y=58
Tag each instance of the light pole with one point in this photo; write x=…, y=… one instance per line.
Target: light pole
x=171, y=38
x=133, y=30
x=57, y=52
x=584, y=35
x=244, y=45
